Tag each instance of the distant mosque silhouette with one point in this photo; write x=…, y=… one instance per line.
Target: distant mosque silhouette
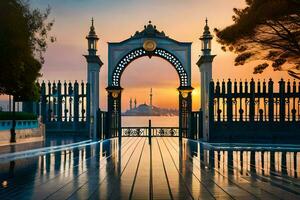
x=148, y=110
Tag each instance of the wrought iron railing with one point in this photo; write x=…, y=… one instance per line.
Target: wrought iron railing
x=62, y=106
x=254, y=101
x=63, y=102
x=150, y=131
x=253, y=111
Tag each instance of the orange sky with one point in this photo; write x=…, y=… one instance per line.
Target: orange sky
x=182, y=20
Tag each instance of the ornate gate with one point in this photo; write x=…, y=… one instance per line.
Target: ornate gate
x=149, y=42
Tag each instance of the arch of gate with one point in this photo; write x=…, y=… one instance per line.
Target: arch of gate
x=149, y=42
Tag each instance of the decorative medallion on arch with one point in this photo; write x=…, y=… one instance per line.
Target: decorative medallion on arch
x=149, y=42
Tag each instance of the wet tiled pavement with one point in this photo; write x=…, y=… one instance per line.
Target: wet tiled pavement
x=50, y=141
x=160, y=168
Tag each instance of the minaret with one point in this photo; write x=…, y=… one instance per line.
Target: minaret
x=93, y=68
x=205, y=66
x=135, y=103
x=130, y=103
x=206, y=40
x=151, y=95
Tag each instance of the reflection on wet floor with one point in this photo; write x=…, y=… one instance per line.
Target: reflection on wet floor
x=162, y=168
x=50, y=141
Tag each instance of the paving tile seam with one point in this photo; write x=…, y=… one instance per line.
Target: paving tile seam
x=134, y=151
x=203, y=173
x=262, y=179
x=185, y=184
x=99, y=164
x=61, y=172
x=165, y=171
x=136, y=171
x=113, y=168
x=53, y=164
x=240, y=177
x=289, y=180
x=78, y=189
x=40, y=153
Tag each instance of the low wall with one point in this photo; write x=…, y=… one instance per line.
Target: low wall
x=20, y=124
x=67, y=128
x=276, y=132
x=26, y=131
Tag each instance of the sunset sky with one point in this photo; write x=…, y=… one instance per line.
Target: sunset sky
x=116, y=20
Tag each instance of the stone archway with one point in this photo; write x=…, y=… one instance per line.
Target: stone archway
x=135, y=54
x=149, y=42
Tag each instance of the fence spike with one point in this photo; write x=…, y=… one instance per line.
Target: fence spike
x=235, y=86
x=294, y=86
x=241, y=86
x=288, y=87
x=258, y=86
x=264, y=87
x=223, y=87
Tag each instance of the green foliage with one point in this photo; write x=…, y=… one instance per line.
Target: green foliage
x=18, y=116
x=23, y=40
x=266, y=30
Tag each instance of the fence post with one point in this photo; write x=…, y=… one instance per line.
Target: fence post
x=200, y=125
x=252, y=102
x=43, y=102
x=288, y=93
x=241, y=110
x=65, y=102
x=70, y=94
x=59, y=102
x=223, y=101
x=99, y=124
x=54, y=103
x=37, y=103
x=87, y=109
x=229, y=101
x=49, y=102
x=294, y=100
x=76, y=105
x=282, y=100
x=211, y=113
x=217, y=93
x=258, y=87
x=83, y=109
x=264, y=88
x=149, y=129
x=271, y=100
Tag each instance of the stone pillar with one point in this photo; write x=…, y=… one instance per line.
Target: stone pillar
x=94, y=65
x=185, y=111
x=93, y=68
x=114, y=112
x=205, y=66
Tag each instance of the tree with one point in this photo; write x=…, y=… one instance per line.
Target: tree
x=266, y=30
x=23, y=40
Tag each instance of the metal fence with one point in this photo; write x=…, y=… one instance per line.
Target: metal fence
x=254, y=106
x=64, y=106
x=196, y=125
x=150, y=131
x=102, y=124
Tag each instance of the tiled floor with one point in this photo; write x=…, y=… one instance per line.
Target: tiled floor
x=162, y=168
x=49, y=141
